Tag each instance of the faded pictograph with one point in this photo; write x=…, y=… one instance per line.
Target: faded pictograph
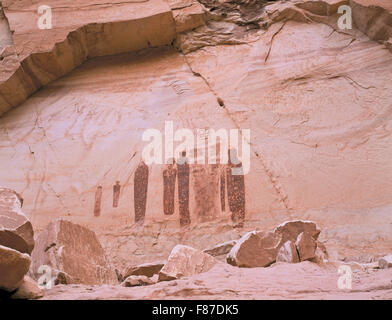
x=98, y=201
x=116, y=194
x=169, y=188
x=140, y=192
x=183, y=190
x=198, y=191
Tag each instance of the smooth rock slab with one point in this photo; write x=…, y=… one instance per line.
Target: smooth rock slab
x=13, y=267
x=288, y=253
x=74, y=250
x=255, y=249
x=221, y=249
x=16, y=231
x=306, y=246
x=185, y=261
x=385, y=262
x=146, y=269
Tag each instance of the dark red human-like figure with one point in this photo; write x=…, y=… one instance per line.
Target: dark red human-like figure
x=140, y=192
x=98, y=200
x=116, y=194
x=183, y=189
x=169, y=185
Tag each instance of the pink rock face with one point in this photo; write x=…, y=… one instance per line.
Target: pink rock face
x=13, y=267
x=288, y=253
x=306, y=246
x=316, y=101
x=185, y=261
x=255, y=249
x=16, y=231
x=74, y=250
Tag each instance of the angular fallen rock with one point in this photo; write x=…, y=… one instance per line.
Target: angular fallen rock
x=185, y=261
x=290, y=230
x=13, y=267
x=306, y=246
x=16, y=231
x=255, y=249
x=60, y=277
x=221, y=249
x=134, y=281
x=385, y=262
x=74, y=250
x=288, y=253
x=28, y=290
x=145, y=269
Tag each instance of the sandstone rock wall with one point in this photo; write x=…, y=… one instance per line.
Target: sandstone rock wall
x=317, y=102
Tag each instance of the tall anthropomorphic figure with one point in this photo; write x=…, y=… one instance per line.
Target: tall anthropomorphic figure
x=116, y=194
x=140, y=192
x=236, y=189
x=98, y=200
x=169, y=185
x=183, y=189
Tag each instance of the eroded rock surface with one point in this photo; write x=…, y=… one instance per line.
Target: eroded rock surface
x=288, y=253
x=16, y=231
x=306, y=246
x=290, y=230
x=74, y=250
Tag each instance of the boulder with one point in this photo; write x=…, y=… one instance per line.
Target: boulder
x=290, y=230
x=146, y=269
x=221, y=249
x=385, y=262
x=288, y=253
x=185, y=261
x=28, y=290
x=13, y=267
x=74, y=250
x=16, y=231
x=255, y=249
x=306, y=246
x=134, y=281
x=60, y=277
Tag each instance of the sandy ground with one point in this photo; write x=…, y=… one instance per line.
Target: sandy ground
x=305, y=280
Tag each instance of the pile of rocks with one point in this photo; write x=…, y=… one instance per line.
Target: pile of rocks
x=183, y=261
x=292, y=241
x=16, y=245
